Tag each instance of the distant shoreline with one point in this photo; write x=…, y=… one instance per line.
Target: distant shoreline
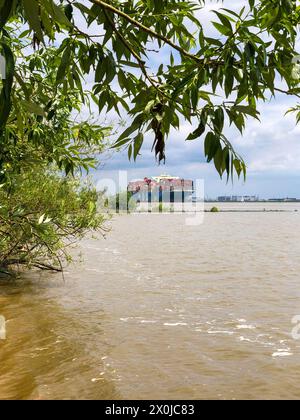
x=253, y=211
x=253, y=202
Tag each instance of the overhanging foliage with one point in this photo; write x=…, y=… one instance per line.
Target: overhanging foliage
x=211, y=82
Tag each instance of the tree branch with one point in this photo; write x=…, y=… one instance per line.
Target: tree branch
x=287, y=92
x=149, y=31
x=182, y=51
x=131, y=50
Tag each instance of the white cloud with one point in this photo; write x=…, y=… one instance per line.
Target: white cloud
x=271, y=148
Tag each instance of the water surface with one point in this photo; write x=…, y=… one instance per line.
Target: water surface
x=162, y=310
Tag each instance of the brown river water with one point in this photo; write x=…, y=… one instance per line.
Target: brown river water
x=161, y=310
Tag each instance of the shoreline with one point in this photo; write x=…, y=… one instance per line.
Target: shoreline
x=155, y=213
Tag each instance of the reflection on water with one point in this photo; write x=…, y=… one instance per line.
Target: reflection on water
x=161, y=310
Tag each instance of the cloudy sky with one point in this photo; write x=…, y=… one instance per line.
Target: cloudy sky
x=271, y=148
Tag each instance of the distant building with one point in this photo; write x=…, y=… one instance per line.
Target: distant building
x=251, y=198
x=224, y=199
x=283, y=200
x=162, y=189
x=238, y=199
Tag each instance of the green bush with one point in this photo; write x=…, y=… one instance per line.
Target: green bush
x=121, y=203
x=41, y=214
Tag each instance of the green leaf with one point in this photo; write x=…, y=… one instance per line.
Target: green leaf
x=211, y=145
x=33, y=108
x=120, y=143
x=218, y=120
x=222, y=29
x=229, y=81
x=68, y=11
x=32, y=14
x=5, y=95
x=65, y=62
x=5, y=11
x=129, y=152
x=224, y=19
x=247, y=110
x=130, y=64
x=100, y=72
x=232, y=12
x=110, y=69
x=123, y=82
x=197, y=133
x=138, y=142
x=150, y=106
x=218, y=161
x=237, y=166
x=128, y=131
x=58, y=14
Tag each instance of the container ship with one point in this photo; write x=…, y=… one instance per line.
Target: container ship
x=162, y=189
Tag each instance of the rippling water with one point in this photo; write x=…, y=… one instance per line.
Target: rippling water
x=162, y=310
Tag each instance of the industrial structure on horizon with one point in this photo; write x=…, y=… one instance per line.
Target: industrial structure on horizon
x=238, y=199
x=254, y=199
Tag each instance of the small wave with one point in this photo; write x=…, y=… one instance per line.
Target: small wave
x=94, y=380
x=247, y=340
x=282, y=354
x=175, y=324
x=211, y=322
x=131, y=318
x=245, y=327
x=94, y=248
x=220, y=332
x=124, y=319
x=110, y=250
